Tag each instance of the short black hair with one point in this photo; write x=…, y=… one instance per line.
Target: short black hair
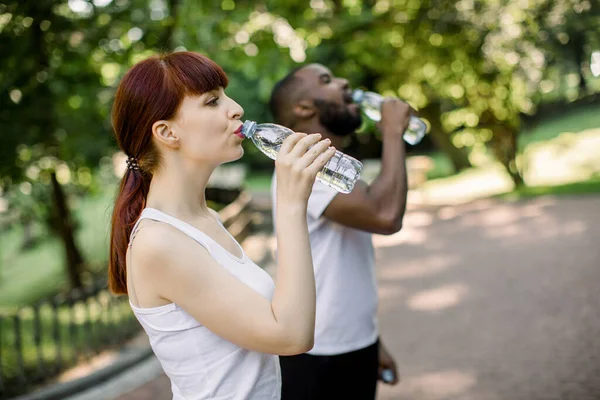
x=281, y=96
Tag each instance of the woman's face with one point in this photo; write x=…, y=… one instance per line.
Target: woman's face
x=206, y=126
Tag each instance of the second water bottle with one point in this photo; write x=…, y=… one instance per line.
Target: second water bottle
x=370, y=103
x=340, y=173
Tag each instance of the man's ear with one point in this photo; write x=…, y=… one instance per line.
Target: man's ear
x=305, y=109
x=163, y=132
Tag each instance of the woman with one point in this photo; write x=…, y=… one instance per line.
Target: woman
x=216, y=321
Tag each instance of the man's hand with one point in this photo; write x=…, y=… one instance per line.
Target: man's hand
x=395, y=115
x=386, y=361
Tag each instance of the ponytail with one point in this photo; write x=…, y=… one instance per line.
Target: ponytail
x=130, y=202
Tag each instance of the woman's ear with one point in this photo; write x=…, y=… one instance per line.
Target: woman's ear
x=304, y=109
x=163, y=132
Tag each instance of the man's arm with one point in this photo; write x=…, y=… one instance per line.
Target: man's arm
x=379, y=207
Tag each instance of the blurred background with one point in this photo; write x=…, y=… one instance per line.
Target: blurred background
x=490, y=280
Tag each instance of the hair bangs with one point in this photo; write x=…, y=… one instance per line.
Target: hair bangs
x=194, y=74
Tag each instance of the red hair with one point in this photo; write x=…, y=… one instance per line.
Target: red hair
x=150, y=91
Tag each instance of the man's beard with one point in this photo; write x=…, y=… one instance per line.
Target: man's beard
x=337, y=118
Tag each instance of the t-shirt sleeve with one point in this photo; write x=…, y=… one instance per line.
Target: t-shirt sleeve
x=319, y=199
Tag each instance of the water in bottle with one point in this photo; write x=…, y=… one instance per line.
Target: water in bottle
x=341, y=172
x=370, y=103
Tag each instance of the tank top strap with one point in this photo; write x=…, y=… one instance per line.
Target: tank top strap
x=189, y=230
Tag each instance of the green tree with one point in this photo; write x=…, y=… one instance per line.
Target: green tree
x=63, y=60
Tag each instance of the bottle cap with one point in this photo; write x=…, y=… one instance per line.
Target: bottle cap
x=387, y=375
x=357, y=95
x=248, y=128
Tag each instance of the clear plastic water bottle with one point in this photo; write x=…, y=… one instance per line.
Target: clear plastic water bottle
x=387, y=375
x=370, y=103
x=341, y=172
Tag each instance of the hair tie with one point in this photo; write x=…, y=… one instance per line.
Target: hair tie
x=132, y=163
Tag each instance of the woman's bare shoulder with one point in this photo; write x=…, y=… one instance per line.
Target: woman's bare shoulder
x=156, y=245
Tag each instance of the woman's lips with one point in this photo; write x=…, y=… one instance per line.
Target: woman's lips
x=239, y=133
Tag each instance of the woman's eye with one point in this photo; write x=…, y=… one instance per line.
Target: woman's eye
x=213, y=102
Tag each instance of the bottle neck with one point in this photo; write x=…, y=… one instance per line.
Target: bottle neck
x=248, y=128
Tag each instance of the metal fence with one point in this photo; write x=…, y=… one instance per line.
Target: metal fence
x=41, y=341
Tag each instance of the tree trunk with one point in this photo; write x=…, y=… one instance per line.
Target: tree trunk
x=578, y=46
x=505, y=149
x=29, y=239
x=441, y=139
x=64, y=223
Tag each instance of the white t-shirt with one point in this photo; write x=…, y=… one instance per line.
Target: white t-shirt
x=344, y=266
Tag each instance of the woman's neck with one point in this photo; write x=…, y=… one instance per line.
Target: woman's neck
x=179, y=190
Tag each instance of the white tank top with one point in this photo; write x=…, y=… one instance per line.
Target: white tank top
x=200, y=364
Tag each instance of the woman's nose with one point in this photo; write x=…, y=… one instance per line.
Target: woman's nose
x=236, y=111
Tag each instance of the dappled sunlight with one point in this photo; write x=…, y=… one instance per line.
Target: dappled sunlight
x=505, y=231
x=407, y=235
x=417, y=219
x=418, y=268
x=390, y=295
x=532, y=210
x=549, y=228
x=440, y=384
x=497, y=216
x=467, y=186
x=574, y=227
x=389, y=292
x=567, y=158
x=523, y=223
x=410, y=233
x=84, y=369
x=447, y=213
x=438, y=299
x=543, y=202
x=414, y=198
x=478, y=205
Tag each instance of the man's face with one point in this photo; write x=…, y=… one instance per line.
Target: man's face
x=333, y=99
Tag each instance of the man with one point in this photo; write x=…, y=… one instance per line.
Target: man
x=347, y=358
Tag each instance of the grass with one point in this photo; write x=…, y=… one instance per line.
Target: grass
x=572, y=121
x=27, y=276
x=559, y=156
x=562, y=126
x=568, y=163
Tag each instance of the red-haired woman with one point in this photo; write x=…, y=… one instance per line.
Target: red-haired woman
x=216, y=321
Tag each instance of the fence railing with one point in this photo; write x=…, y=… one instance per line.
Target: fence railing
x=39, y=342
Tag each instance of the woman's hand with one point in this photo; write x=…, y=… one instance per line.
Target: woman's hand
x=297, y=166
